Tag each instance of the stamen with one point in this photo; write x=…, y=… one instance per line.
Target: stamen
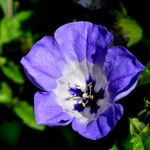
x=86, y=97
x=91, y=96
x=72, y=98
x=83, y=104
x=78, y=87
x=90, y=84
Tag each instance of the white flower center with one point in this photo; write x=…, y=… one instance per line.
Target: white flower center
x=82, y=91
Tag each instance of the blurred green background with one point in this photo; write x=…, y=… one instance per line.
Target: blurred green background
x=22, y=23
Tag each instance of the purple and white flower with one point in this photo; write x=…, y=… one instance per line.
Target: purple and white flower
x=81, y=78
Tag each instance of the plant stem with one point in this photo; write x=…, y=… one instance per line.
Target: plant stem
x=10, y=8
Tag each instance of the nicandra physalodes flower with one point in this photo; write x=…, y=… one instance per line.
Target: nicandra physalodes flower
x=81, y=78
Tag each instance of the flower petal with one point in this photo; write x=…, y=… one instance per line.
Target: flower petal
x=122, y=70
x=43, y=64
x=81, y=40
x=102, y=125
x=48, y=112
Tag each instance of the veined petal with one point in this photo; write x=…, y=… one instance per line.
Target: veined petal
x=81, y=40
x=101, y=126
x=82, y=78
x=122, y=70
x=48, y=112
x=44, y=63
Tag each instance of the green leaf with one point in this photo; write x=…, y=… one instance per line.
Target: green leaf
x=2, y=61
x=129, y=28
x=140, y=135
x=145, y=76
x=146, y=137
x=26, y=113
x=22, y=16
x=5, y=93
x=136, y=126
x=3, y=5
x=114, y=147
x=11, y=70
x=137, y=143
x=11, y=28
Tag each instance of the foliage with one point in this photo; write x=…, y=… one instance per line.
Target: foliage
x=5, y=93
x=11, y=70
x=11, y=29
x=3, y=5
x=145, y=76
x=140, y=135
x=25, y=112
x=17, y=35
x=130, y=29
x=114, y=147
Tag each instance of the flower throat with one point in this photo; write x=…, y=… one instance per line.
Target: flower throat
x=86, y=97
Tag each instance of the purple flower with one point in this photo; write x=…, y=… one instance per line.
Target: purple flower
x=81, y=78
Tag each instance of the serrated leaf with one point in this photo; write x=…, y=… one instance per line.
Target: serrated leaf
x=5, y=93
x=11, y=28
x=26, y=113
x=140, y=135
x=129, y=28
x=11, y=70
